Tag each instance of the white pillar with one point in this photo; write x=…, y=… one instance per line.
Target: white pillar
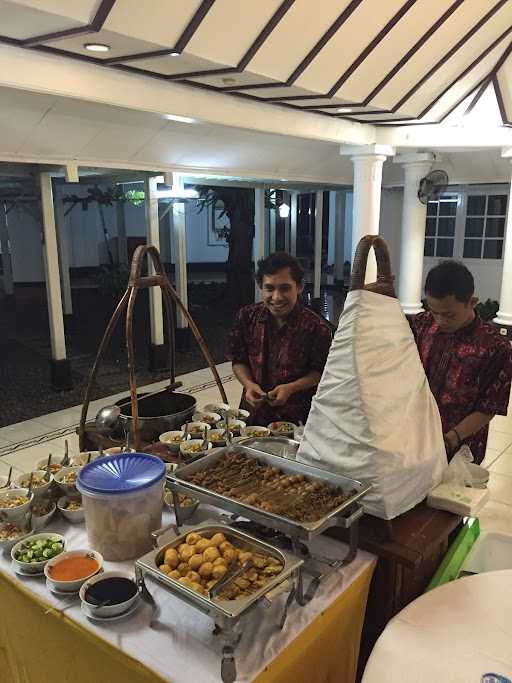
x=153, y=238
x=259, y=232
x=504, y=316
x=8, y=284
x=272, y=230
x=63, y=245
x=319, y=212
x=412, y=240
x=179, y=249
x=368, y=161
x=339, y=235
x=51, y=267
x=293, y=222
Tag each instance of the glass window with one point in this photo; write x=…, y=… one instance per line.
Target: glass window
x=440, y=225
x=472, y=249
x=493, y=248
x=485, y=218
x=476, y=205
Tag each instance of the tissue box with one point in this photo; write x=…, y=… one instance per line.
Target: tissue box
x=463, y=501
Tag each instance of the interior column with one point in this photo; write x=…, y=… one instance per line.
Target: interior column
x=412, y=240
x=294, y=210
x=158, y=353
x=339, y=236
x=63, y=246
x=60, y=365
x=367, y=161
x=504, y=316
x=317, y=269
x=179, y=250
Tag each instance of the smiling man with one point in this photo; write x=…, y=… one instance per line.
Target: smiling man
x=467, y=363
x=277, y=347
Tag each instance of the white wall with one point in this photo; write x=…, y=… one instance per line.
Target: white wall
x=487, y=272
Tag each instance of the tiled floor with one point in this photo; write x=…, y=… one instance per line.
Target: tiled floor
x=23, y=444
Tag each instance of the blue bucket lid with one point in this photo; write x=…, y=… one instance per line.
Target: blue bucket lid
x=121, y=473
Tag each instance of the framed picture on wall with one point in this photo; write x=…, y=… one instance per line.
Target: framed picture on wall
x=218, y=226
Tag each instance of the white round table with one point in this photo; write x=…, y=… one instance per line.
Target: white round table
x=452, y=634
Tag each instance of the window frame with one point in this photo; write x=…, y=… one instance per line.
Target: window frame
x=483, y=192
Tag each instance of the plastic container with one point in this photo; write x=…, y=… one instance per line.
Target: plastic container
x=123, y=498
x=492, y=552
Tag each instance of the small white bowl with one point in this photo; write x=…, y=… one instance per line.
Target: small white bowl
x=34, y=567
x=12, y=514
x=107, y=610
x=219, y=408
x=282, y=428
x=218, y=437
x=242, y=414
x=3, y=482
x=255, y=432
x=55, y=465
x=235, y=426
x=22, y=481
x=81, y=459
x=7, y=544
x=68, y=489
x=167, y=439
x=39, y=522
x=196, y=428
x=192, y=442
x=207, y=416
x=73, y=516
x=71, y=586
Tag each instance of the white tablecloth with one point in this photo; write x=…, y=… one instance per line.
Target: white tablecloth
x=453, y=634
x=184, y=649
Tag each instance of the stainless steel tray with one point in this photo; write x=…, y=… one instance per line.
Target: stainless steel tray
x=342, y=515
x=275, y=445
x=222, y=611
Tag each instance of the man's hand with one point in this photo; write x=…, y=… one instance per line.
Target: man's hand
x=279, y=395
x=254, y=394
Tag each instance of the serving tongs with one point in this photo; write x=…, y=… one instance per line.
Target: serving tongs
x=228, y=577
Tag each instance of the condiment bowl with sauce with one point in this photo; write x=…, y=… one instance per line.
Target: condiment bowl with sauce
x=71, y=507
x=68, y=571
x=109, y=594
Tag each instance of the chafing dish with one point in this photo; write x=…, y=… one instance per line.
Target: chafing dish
x=344, y=515
x=275, y=445
x=226, y=613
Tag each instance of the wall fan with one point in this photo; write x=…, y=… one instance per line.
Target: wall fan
x=432, y=186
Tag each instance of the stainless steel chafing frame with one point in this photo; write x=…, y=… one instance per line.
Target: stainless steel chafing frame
x=345, y=515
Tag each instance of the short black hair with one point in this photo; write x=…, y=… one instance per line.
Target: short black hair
x=450, y=278
x=277, y=261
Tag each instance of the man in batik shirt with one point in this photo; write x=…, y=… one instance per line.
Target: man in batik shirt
x=278, y=348
x=467, y=362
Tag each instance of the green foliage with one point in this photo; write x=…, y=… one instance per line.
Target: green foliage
x=105, y=197
x=112, y=281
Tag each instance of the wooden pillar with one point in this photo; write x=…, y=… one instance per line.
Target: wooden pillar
x=60, y=366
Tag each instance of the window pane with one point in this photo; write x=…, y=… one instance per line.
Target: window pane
x=446, y=226
x=472, y=249
x=444, y=248
x=476, y=205
x=493, y=248
x=474, y=227
x=448, y=208
x=495, y=227
x=430, y=230
x=429, y=247
x=432, y=208
x=497, y=204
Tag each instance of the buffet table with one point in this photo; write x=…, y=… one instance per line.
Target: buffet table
x=45, y=635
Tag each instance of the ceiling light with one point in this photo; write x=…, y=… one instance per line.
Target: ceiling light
x=344, y=110
x=180, y=119
x=283, y=180
x=97, y=47
x=284, y=210
x=174, y=54
x=178, y=193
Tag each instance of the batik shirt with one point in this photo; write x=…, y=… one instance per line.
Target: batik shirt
x=278, y=356
x=468, y=371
